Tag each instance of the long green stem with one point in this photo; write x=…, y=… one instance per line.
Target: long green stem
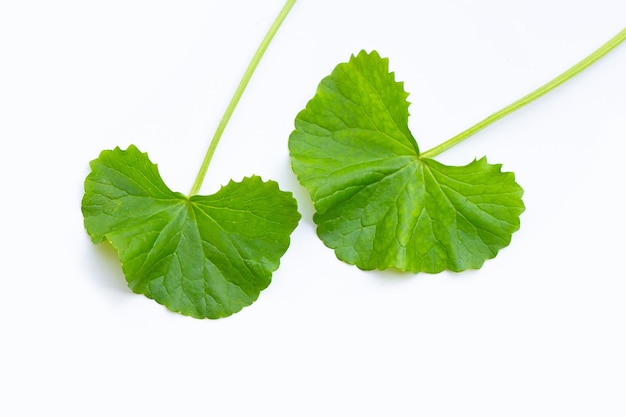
x=237, y=95
x=599, y=53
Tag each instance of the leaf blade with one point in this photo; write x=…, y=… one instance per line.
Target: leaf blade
x=380, y=205
x=204, y=256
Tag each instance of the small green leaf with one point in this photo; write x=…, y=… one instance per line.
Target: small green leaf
x=202, y=256
x=378, y=203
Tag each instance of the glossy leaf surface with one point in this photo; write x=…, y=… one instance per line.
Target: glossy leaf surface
x=202, y=256
x=378, y=203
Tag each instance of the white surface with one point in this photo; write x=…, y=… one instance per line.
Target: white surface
x=538, y=331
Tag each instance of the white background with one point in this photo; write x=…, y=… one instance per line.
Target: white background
x=538, y=331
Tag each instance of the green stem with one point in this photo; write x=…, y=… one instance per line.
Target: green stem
x=237, y=95
x=599, y=53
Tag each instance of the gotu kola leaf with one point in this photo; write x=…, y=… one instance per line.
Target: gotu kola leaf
x=378, y=203
x=202, y=256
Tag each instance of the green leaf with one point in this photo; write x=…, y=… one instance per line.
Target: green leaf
x=380, y=205
x=202, y=256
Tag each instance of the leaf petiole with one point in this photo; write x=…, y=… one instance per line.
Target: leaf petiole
x=237, y=95
x=593, y=57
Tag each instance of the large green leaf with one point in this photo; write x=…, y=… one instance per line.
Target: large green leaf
x=378, y=203
x=203, y=256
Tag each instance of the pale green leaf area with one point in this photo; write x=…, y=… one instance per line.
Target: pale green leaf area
x=378, y=203
x=202, y=256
